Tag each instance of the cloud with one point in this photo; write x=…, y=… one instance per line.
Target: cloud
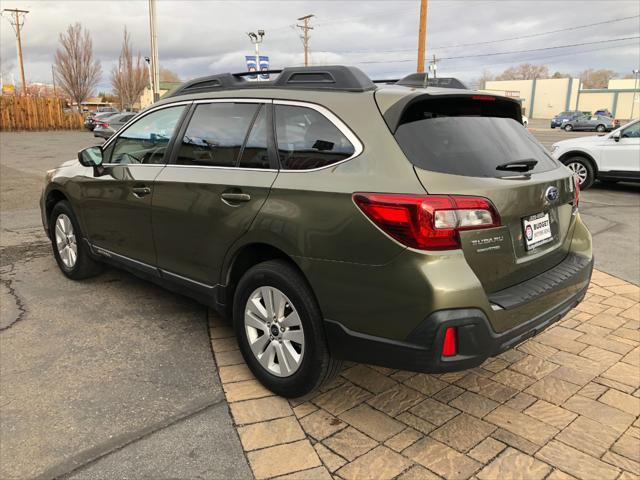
x=203, y=37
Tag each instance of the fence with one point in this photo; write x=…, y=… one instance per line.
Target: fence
x=36, y=113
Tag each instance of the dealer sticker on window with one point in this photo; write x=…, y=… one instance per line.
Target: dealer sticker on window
x=537, y=230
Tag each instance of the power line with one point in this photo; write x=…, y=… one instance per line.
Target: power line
x=443, y=47
x=492, y=54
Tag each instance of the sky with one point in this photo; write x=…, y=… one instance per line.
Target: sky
x=203, y=37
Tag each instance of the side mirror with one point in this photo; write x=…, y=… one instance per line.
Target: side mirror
x=90, y=157
x=616, y=136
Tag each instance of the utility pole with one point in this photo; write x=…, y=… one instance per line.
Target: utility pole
x=305, y=36
x=256, y=39
x=148, y=62
x=53, y=78
x=422, y=35
x=433, y=66
x=17, y=21
x=155, y=67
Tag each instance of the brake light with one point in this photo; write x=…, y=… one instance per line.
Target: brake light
x=449, y=346
x=486, y=98
x=104, y=125
x=427, y=222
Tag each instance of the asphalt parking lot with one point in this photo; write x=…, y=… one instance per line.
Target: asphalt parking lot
x=115, y=377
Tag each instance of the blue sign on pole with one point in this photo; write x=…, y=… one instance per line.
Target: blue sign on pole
x=253, y=67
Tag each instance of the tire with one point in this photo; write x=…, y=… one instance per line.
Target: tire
x=69, y=249
x=601, y=128
x=568, y=128
x=277, y=281
x=582, y=168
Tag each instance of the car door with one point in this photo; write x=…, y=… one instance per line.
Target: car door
x=220, y=175
x=623, y=155
x=116, y=201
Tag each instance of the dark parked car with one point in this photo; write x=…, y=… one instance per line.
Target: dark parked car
x=597, y=123
x=91, y=120
x=331, y=219
x=106, y=127
x=559, y=119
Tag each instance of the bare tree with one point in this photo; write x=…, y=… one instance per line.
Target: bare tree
x=128, y=78
x=484, y=78
x=524, y=71
x=77, y=72
x=596, y=78
x=557, y=74
x=167, y=75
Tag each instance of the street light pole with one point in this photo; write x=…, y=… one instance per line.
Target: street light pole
x=256, y=39
x=636, y=74
x=154, y=51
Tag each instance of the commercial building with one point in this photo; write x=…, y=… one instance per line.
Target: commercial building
x=544, y=98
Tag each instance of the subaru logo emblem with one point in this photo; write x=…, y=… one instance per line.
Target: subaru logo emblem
x=551, y=194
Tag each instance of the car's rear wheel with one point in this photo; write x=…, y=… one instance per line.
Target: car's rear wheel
x=582, y=169
x=70, y=251
x=279, y=328
x=568, y=128
x=601, y=128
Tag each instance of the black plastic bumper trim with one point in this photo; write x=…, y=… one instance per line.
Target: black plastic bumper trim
x=477, y=341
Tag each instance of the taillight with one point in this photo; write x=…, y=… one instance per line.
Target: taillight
x=427, y=222
x=450, y=344
x=104, y=125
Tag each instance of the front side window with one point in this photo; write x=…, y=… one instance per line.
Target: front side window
x=216, y=133
x=307, y=139
x=146, y=141
x=632, y=131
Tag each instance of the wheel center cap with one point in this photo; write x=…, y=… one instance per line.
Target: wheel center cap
x=274, y=330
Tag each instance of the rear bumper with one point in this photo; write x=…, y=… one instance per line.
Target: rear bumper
x=477, y=341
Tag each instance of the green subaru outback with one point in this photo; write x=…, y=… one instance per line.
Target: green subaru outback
x=332, y=218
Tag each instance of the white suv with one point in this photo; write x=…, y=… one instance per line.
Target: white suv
x=610, y=158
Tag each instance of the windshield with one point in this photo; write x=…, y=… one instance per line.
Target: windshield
x=468, y=140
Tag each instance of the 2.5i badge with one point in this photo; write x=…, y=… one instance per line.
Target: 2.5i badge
x=537, y=230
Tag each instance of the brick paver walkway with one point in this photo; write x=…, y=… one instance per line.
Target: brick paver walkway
x=564, y=404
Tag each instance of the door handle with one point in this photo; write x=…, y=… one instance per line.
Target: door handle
x=235, y=197
x=141, y=191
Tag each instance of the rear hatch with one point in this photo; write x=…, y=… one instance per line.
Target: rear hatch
x=475, y=145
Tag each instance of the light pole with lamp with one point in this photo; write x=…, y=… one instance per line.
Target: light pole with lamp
x=256, y=39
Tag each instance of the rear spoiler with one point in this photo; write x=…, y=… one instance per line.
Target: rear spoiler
x=422, y=80
x=393, y=116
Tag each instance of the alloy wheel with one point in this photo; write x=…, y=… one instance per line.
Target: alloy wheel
x=274, y=331
x=66, y=241
x=579, y=170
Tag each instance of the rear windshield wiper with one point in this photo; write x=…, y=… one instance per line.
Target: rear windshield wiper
x=518, y=165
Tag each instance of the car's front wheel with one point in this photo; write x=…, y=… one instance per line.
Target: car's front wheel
x=568, y=127
x=70, y=251
x=279, y=328
x=582, y=169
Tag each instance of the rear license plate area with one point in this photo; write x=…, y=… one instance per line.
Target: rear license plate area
x=536, y=230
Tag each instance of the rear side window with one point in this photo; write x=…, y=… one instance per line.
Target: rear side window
x=216, y=133
x=255, y=153
x=463, y=136
x=307, y=139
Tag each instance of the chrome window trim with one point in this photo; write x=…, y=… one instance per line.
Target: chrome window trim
x=325, y=112
x=339, y=124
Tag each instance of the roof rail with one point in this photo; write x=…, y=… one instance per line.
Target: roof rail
x=335, y=77
x=423, y=80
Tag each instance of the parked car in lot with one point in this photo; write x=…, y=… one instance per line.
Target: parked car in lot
x=610, y=158
x=559, y=119
x=107, y=127
x=597, y=123
x=332, y=219
x=91, y=120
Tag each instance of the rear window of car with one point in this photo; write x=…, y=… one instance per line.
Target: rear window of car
x=464, y=136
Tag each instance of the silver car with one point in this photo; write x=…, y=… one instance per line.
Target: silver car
x=108, y=126
x=598, y=123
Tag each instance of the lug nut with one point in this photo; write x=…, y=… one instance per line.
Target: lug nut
x=282, y=329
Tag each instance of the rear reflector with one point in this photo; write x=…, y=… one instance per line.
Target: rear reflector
x=486, y=98
x=427, y=222
x=449, y=346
